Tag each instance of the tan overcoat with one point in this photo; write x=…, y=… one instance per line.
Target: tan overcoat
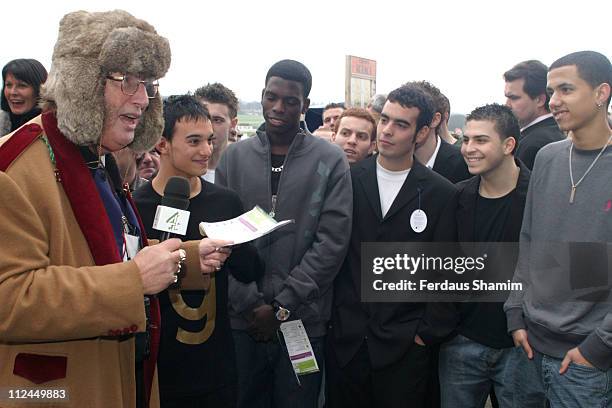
x=66, y=318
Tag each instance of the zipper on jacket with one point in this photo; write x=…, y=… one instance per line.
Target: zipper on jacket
x=267, y=289
x=273, y=209
x=274, y=197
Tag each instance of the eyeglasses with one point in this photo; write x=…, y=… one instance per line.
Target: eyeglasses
x=130, y=84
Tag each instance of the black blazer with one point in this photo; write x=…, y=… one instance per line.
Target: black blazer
x=450, y=163
x=390, y=327
x=535, y=137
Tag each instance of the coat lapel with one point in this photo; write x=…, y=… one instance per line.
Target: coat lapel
x=369, y=183
x=442, y=157
x=466, y=211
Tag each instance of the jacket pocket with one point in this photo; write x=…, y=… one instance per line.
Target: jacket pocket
x=39, y=368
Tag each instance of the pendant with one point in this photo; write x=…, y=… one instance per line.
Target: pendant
x=572, y=194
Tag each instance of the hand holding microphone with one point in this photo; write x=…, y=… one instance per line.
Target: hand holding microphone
x=158, y=265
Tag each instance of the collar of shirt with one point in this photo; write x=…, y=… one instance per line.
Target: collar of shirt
x=390, y=174
x=432, y=159
x=537, y=120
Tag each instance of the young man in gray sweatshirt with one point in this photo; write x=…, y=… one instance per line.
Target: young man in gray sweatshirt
x=562, y=318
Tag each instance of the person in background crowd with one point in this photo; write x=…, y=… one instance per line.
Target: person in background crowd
x=234, y=136
x=435, y=153
x=331, y=113
x=376, y=104
x=355, y=133
x=222, y=104
x=148, y=164
x=21, y=81
x=443, y=130
x=526, y=95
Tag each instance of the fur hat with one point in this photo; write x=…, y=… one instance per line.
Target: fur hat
x=90, y=46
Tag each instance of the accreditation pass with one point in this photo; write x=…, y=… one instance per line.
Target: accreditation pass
x=298, y=346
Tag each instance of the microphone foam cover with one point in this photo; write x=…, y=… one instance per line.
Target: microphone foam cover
x=176, y=193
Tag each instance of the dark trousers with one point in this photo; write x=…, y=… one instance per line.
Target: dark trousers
x=401, y=384
x=433, y=386
x=266, y=378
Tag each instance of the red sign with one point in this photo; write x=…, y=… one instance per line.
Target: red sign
x=363, y=67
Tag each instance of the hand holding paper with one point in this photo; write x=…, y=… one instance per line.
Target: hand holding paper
x=213, y=254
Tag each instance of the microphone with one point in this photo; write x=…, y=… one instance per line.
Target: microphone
x=171, y=217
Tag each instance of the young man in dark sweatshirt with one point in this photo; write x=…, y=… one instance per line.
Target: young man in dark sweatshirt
x=562, y=317
x=490, y=209
x=196, y=359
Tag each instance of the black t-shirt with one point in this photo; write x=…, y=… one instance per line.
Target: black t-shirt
x=277, y=161
x=484, y=322
x=195, y=369
x=491, y=216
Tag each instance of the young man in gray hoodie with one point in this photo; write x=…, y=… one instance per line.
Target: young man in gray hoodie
x=562, y=318
x=292, y=175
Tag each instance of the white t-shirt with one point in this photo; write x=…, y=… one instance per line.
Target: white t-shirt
x=389, y=185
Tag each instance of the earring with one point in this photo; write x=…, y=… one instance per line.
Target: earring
x=599, y=104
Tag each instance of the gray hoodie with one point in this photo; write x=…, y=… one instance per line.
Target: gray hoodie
x=302, y=259
x=565, y=257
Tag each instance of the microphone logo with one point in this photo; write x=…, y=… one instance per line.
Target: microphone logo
x=171, y=220
x=171, y=216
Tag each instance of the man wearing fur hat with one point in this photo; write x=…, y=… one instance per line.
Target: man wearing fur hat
x=79, y=313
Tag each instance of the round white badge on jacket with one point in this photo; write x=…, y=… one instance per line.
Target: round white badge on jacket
x=418, y=221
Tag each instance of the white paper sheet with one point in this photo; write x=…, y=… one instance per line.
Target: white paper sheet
x=247, y=227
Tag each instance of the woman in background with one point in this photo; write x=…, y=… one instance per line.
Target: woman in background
x=21, y=80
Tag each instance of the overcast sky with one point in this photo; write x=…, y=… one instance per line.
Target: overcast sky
x=463, y=47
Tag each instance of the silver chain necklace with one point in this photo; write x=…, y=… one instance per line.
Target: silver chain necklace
x=575, y=186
